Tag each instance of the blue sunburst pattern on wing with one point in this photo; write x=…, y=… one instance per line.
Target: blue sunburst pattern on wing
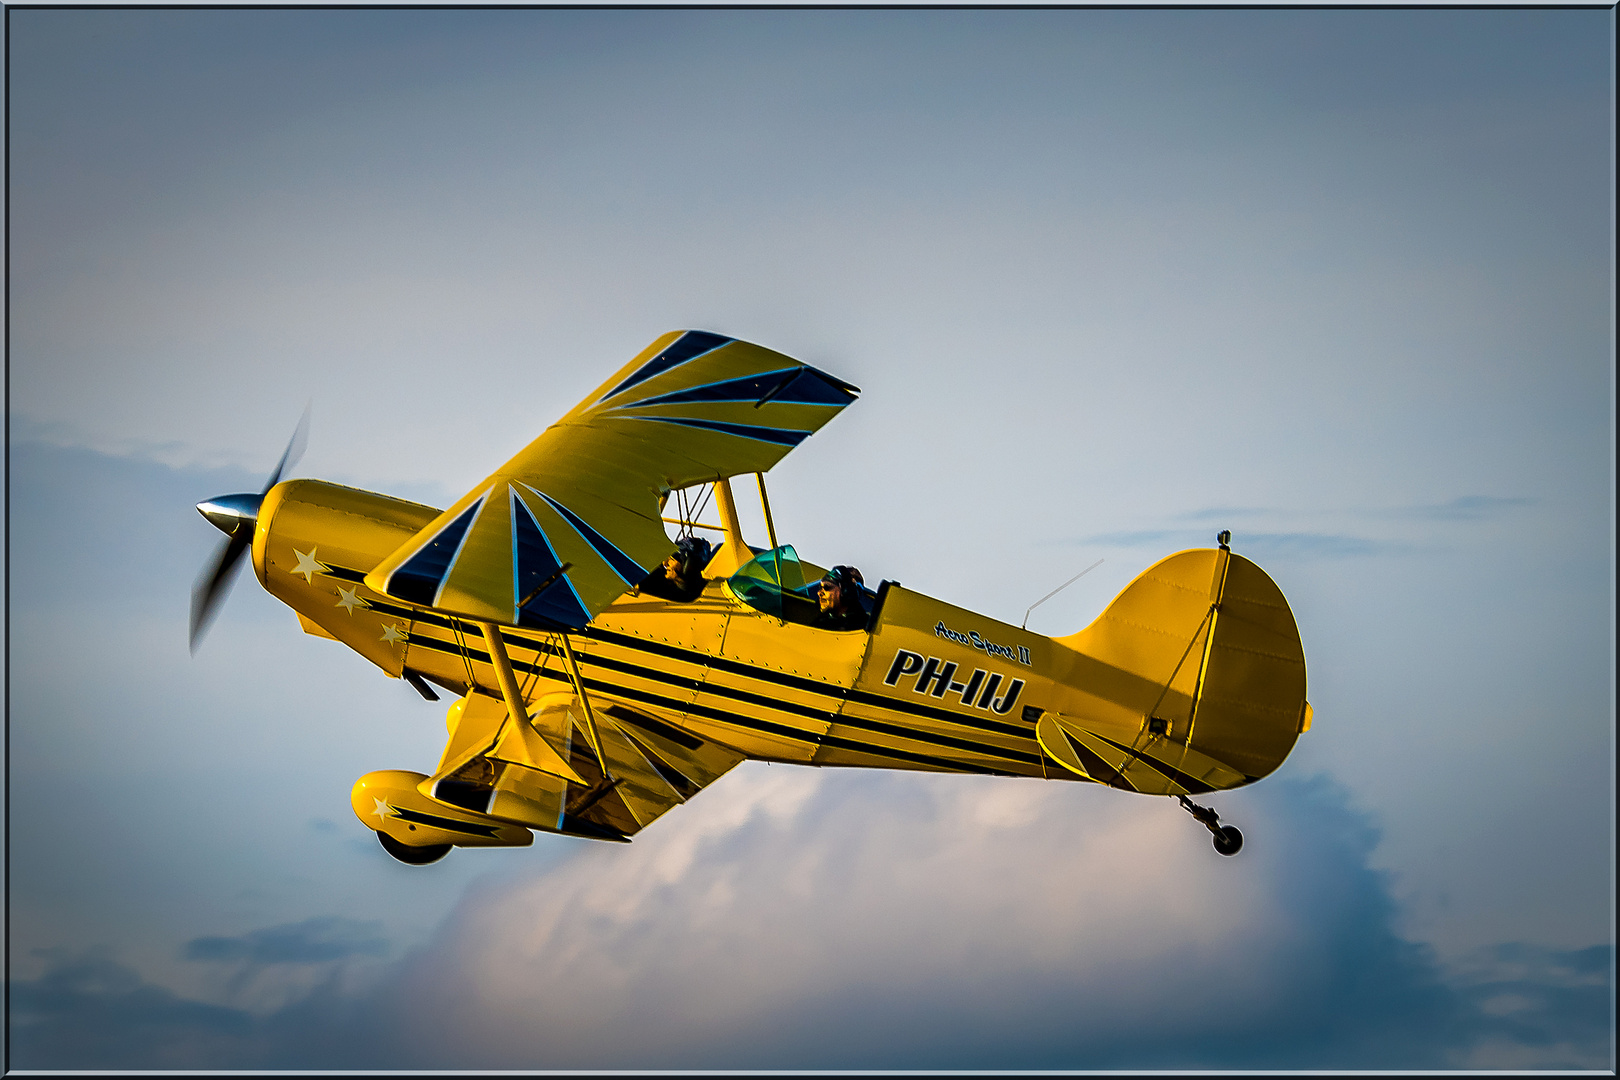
x=792, y=386
x=692, y=344
x=779, y=436
x=543, y=596
x=629, y=571
x=418, y=579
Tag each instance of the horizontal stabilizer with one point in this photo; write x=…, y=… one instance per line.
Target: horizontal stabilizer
x=1146, y=764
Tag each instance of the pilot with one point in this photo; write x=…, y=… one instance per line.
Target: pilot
x=681, y=575
x=839, y=598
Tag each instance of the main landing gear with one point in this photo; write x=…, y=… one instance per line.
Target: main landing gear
x=415, y=856
x=1228, y=841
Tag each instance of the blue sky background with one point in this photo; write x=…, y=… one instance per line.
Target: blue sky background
x=1111, y=281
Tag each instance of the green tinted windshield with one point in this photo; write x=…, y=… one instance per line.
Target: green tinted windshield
x=779, y=566
x=775, y=582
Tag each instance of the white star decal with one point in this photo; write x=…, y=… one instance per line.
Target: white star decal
x=383, y=810
x=348, y=601
x=393, y=634
x=307, y=565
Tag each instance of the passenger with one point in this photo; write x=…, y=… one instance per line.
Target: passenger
x=680, y=578
x=839, y=598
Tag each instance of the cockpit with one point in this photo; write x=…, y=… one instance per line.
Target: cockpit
x=680, y=578
x=777, y=582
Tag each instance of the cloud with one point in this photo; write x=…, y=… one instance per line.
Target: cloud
x=1466, y=508
x=91, y=1012
x=1276, y=291
x=1136, y=538
x=268, y=968
x=933, y=924
x=820, y=920
x=1309, y=544
x=313, y=941
x=1462, y=508
x=1548, y=1008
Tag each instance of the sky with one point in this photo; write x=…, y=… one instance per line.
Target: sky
x=1110, y=281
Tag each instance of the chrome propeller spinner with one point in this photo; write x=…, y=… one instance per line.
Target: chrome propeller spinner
x=235, y=516
x=228, y=513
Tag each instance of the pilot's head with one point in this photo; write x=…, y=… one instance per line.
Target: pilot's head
x=831, y=595
x=838, y=588
x=691, y=554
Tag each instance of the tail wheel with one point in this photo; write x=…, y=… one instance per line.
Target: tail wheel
x=1228, y=841
x=431, y=853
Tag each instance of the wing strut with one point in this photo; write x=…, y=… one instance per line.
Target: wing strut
x=504, y=674
x=585, y=705
x=733, y=553
x=514, y=697
x=765, y=504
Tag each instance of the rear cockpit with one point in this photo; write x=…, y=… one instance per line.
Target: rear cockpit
x=777, y=582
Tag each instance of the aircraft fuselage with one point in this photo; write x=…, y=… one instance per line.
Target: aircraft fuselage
x=932, y=687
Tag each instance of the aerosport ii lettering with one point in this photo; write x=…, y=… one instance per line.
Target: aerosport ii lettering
x=1017, y=653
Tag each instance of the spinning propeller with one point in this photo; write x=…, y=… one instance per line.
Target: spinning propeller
x=235, y=516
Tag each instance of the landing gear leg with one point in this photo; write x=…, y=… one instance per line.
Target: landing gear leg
x=1228, y=841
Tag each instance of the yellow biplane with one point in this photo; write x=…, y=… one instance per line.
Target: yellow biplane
x=605, y=671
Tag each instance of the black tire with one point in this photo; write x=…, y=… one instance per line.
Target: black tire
x=1228, y=841
x=415, y=856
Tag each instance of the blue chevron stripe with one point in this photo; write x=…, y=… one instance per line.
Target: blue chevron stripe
x=688, y=346
x=533, y=561
x=794, y=386
x=779, y=436
x=629, y=571
x=418, y=578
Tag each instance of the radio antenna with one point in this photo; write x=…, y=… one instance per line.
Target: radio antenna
x=1054, y=592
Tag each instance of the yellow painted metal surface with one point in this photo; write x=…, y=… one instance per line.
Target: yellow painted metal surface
x=945, y=688
x=526, y=744
x=732, y=552
x=314, y=628
x=481, y=726
x=324, y=535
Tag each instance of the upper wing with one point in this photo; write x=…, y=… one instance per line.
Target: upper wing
x=560, y=531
